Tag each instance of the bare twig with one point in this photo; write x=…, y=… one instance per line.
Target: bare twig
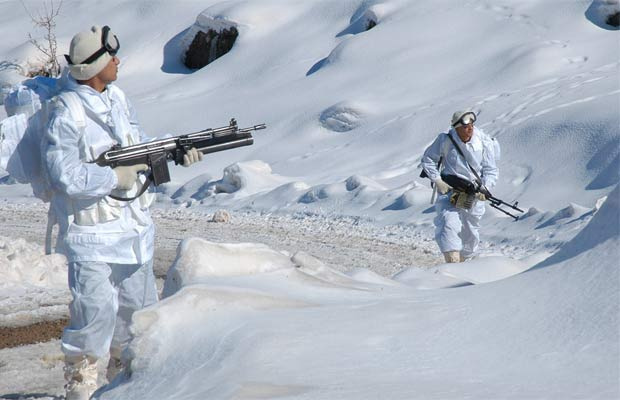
x=47, y=22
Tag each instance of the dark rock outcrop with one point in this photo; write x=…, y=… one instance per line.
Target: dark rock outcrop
x=209, y=46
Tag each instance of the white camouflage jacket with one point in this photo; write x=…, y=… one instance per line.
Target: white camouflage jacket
x=480, y=152
x=93, y=226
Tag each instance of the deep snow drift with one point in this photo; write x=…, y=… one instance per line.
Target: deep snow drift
x=245, y=321
x=33, y=287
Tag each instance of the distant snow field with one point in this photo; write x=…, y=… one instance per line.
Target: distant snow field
x=326, y=282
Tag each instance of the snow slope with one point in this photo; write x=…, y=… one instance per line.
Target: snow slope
x=244, y=321
x=349, y=112
x=339, y=102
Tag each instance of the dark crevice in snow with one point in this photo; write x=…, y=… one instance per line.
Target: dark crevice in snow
x=613, y=20
x=361, y=21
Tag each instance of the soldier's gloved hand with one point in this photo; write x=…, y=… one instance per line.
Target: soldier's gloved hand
x=192, y=156
x=442, y=187
x=481, y=196
x=127, y=176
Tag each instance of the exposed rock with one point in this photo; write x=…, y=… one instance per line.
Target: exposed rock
x=222, y=216
x=35, y=333
x=209, y=46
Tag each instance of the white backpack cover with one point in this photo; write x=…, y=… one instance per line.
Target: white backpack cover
x=22, y=132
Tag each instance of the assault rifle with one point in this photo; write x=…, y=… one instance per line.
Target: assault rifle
x=471, y=188
x=158, y=153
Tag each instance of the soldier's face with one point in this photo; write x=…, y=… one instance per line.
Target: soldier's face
x=110, y=72
x=465, y=132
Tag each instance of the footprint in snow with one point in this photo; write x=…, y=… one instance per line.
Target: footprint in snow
x=575, y=60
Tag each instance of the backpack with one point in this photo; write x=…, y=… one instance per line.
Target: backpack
x=443, y=154
x=28, y=107
x=492, y=145
x=22, y=135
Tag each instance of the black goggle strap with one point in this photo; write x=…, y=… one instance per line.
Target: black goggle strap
x=105, y=47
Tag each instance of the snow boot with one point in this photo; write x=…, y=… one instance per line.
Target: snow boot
x=452, y=256
x=115, y=365
x=81, y=377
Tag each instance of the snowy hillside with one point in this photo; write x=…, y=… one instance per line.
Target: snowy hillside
x=349, y=112
x=244, y=321
x=340, y=101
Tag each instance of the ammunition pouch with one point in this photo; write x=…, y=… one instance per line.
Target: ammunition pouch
x=463, y=200
x=101, y=211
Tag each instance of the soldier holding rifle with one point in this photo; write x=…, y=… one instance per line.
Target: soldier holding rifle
x=464, y=154
x=108, y=243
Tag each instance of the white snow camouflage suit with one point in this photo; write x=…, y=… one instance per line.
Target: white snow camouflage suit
x=108, y=244
x=456, y=229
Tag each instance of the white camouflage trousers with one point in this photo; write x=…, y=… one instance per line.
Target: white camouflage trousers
x=105, y=297
x=456, y=229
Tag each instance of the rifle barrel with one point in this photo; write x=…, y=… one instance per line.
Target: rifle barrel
x=213, y=137
x=502, y=202
x=226, y=145
x=494, y=205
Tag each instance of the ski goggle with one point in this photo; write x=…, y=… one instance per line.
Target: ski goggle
x=466, y=119
x=108, y=45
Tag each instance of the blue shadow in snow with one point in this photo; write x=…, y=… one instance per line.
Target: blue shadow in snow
x=317, y=66
x=601, y=228
x=606, y=162
x=592, y=16
x=360, y=25
x=553, y=220
x=172, y=63
x=429, y=210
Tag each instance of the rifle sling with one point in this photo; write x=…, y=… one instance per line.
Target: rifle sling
x=465, y=159
x=143, y=189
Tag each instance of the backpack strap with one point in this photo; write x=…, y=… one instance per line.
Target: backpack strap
x=442, y=155
x=51, y=221
x=444, y=150
x=76, y=109
x=116, y=92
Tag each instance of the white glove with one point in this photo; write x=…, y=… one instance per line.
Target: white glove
x=192, y=156
x=442, y=187
x=127, y=176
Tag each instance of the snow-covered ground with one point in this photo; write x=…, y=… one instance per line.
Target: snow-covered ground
x=349, y=113
x=245, y=321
